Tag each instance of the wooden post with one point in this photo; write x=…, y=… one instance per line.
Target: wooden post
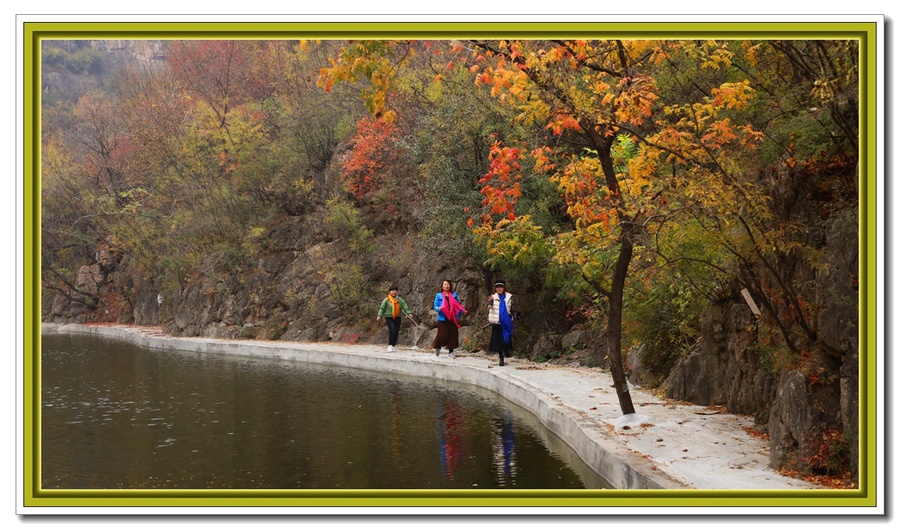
x=752, y=304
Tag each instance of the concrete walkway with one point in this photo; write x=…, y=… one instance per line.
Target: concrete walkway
x=663, y=445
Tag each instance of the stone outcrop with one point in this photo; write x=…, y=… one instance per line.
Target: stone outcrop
x=838, y=322
x=801, y=408
x=723, y=368
x=106, y=291
x=824, y=398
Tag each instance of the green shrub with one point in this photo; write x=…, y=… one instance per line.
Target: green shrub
x=666, y=324
x=344, y=221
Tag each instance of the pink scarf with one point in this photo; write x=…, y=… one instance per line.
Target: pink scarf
x=451, y=308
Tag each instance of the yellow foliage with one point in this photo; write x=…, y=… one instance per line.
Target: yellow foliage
x=733, y=95
x=720, y=57
x=751, y=52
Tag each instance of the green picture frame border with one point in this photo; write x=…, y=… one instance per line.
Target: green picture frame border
x=867, y=32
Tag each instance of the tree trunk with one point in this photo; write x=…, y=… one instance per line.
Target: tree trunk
x=604, y=144
x=614, y=323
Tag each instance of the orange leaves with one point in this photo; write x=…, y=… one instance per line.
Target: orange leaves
x=733, y=95
x=502, y=200
x=326, y=81
x=558, y=54
x=697, y=130
x=635, y=102
x=719, y=133
x=508, y=84
x=542, y=161
x=580, y=49
x=756, y=433
x=749, y=137
x=501, y=183
x=831, y=455
x=370, y=161
x=582, y=185
x=563, y=122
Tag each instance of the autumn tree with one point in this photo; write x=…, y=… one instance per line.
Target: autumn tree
x=375, y=169
x=538, y=77
x=419, y=154
x=584, y=94
x=764, y=151
x=313, y=123
x=91, y=183
x=770, y=207
x=184, y=155
x=220, y=73
x=640, y=165
x=69, y=232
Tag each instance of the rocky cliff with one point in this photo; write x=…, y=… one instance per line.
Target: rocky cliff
x=810, y=409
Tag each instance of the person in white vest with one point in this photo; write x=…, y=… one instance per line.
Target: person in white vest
x=500, y=318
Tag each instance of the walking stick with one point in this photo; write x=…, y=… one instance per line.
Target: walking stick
x=413, y=320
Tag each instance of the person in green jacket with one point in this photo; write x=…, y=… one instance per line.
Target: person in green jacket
x=391, y=308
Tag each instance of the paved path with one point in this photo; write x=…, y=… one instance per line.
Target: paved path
x=663, y=445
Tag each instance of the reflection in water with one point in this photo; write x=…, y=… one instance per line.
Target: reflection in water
x=396, y=426
x=115, y=415
x=449, y=438
x=505, y=452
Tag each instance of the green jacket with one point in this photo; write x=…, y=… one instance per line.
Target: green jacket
x=386, y=311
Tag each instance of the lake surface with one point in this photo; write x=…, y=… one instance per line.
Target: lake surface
x=116, y=415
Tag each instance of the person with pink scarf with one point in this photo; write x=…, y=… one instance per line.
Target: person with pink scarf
x=449, y=311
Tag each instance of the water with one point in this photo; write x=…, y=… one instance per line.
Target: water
x=115, y=415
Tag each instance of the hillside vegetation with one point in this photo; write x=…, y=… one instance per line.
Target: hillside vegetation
x=633, y=194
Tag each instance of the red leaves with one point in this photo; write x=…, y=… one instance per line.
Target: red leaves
x=366, y=165
x=501, y=183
